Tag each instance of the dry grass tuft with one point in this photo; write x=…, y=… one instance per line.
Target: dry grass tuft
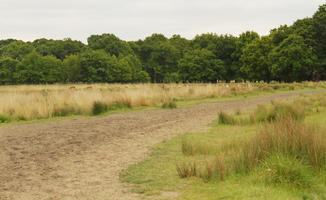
x=187, y=169
x=277, y=111
x=283, y=137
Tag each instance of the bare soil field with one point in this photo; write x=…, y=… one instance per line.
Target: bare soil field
x=82, y=158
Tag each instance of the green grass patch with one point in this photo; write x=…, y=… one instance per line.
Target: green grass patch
x=288, y=171
x=4, y=119
x=281, y=157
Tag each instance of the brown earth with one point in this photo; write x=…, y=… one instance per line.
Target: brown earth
x=82, y=158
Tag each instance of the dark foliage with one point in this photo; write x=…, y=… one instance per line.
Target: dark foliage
x=288, y=53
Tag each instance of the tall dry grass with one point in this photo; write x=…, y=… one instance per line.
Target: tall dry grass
x=28, y=102
x=286, y=137
x=46, y=101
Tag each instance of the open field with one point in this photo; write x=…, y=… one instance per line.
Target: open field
x=82, y=158
x=29, y=102
x=275, y=151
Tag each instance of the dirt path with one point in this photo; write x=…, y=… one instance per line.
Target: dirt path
x=81, y=158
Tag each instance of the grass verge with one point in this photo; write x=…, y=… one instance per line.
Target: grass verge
x=280, y=158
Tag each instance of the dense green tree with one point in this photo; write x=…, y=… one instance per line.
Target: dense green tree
x=163, y=59
x=201, y=66
x=222, y=47
x=148, y=45
x=172, y=78
x=180, y=43
x=319, y=31
x=319, y=27
x=110, y=44
x=292, y=60
x=243, y=40
x=6, y=42
x=254, y=59
x=36, y=68
x=305, y=29
x=96, y=66
x=137, y=73
x=142, y=77
x=122, y=71
x=72, y=69
x=279, y=34
x=7, y=69
x=58, y=48
x=16, y=50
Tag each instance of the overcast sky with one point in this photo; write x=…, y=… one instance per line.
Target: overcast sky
x=136, y=19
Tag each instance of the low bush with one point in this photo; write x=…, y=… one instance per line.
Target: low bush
x=99, y=108
x=4, y=119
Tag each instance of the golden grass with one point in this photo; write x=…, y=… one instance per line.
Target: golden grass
x=27, y=102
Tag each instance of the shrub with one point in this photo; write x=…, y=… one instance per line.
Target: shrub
x=99, y=108
x=4, y=119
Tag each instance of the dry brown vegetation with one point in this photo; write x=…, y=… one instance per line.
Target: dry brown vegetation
x=27, y=102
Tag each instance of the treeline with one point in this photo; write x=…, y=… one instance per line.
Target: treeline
x=288, y=53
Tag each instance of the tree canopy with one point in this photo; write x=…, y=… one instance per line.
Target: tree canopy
x=294, y=52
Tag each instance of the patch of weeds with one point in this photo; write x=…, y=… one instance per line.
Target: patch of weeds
x=4, y=119
x=224, y=118
x=277, y=111
x=118, y=105
x=214, y=170
x=279, y=169
x=191, y=148
x=169, y=105
x=99, y=108
x=64, y=111
x=187, y=169
x=21, y=118
x=237, y=119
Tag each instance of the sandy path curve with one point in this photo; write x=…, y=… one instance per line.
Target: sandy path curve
x=82, y=158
